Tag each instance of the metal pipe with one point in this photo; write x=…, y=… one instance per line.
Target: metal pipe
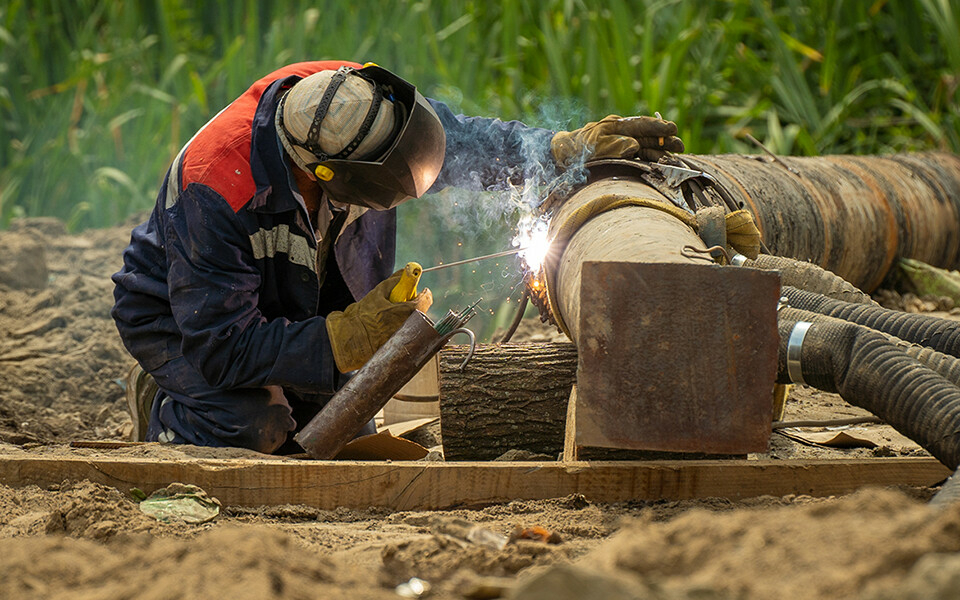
x=852, y=215
x=627, y=234
x=675, y=353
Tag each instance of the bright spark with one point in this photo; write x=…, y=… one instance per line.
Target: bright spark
x=532, y=235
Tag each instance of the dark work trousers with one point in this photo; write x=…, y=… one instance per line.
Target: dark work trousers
x=187, y=410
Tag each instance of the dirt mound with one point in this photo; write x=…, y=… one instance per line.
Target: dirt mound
x=83, y=509
x=62, y=360
x=861, y=546
x=439, y=557
x=24, y=265
x=873, y=545
x=253, y=563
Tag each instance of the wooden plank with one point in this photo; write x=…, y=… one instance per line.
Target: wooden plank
x=570, y=429
x=426, y=485
x=572, y=452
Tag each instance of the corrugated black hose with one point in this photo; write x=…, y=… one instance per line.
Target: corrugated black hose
x=808, y=276
x=942, y=335
x=946, y=365
x=869, y=370
x=949, y=494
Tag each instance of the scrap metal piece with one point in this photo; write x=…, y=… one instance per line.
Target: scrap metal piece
x=676, y=357
x=676, y=175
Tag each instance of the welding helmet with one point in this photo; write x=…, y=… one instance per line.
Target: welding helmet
x=369, y=137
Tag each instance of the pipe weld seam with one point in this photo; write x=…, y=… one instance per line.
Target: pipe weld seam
x=794, y=350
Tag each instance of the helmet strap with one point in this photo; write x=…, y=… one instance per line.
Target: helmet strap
x=399, y=118
x=312, y=143
x=367, y=122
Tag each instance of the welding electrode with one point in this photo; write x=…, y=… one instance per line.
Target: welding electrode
x=470, y=260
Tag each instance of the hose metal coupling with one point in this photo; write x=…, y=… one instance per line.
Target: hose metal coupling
x=794, y=348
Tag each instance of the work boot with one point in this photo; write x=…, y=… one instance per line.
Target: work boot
x=141, y=390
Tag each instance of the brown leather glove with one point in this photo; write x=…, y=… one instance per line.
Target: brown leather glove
x=360, y=329
x=648, y=138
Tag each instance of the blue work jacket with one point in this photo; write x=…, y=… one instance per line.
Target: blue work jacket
x=225, y=271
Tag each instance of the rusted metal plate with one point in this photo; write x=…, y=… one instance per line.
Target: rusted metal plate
x=676, y=357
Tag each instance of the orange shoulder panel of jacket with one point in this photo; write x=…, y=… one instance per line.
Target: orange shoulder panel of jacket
x=219, y=154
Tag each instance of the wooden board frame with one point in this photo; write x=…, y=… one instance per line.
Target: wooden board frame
x=439, y=485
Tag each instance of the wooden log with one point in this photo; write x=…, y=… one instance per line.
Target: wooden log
x=437, y=485
x=510, y=396
x=516, y=397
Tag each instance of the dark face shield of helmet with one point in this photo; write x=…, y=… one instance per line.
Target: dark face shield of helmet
x=408, y=167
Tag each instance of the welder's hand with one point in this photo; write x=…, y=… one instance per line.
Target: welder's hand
x=648, y=138
x=360, y=329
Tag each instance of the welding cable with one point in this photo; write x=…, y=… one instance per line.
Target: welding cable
x=517, y=317
x=868, y=370
x=942, y=335
x=807, y=276
x=944, y=364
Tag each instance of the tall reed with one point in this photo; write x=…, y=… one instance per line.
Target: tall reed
x=97, y=96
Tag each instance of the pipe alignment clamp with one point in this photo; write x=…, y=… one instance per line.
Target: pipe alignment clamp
x=794, y=348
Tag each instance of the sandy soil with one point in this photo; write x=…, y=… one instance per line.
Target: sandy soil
x=61, y=379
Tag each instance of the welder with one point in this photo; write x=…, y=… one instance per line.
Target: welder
x=262, y=277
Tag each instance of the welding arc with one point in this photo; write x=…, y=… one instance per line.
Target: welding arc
x=475, y=259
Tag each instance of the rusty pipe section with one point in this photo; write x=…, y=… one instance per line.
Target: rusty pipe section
x=630, y=233
x=852, y=215
x=675, y=353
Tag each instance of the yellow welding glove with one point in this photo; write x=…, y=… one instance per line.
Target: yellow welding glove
x=360, y=329
x=648, y=138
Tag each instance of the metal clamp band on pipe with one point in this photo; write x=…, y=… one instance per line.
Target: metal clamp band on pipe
x=794, y=347
x=738, y=260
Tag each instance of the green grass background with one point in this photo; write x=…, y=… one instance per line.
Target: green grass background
x=96, y=96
